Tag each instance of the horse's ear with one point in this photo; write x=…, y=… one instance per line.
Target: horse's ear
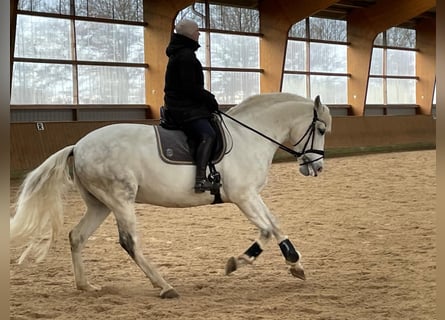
x=317, y=102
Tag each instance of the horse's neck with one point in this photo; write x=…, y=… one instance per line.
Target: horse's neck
x=273, y=119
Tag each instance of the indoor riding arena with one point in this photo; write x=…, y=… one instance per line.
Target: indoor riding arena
x=364, y=227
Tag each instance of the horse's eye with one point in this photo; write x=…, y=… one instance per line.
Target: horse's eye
x=322, y=131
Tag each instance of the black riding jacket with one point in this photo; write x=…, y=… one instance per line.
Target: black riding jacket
x=184, y=93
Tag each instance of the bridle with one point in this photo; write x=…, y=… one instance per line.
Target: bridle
x=309, y=134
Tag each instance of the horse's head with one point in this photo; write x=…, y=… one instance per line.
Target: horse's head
x=310, y=144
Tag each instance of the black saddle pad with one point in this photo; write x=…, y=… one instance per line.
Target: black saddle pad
x=174, y=148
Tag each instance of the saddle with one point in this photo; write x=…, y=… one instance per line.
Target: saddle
x=175, y=148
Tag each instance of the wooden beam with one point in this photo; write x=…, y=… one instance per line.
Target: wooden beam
x=426, y=65
x=358, y=62
x=363, y=26
x=386, y=14
x=276, y=18
x=159, y=16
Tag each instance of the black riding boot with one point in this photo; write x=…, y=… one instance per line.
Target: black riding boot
x=203, y=154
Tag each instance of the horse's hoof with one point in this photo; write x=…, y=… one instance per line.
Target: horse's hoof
x=297, y=272
x=169, y=294
x=230, y=265
x=88, y=287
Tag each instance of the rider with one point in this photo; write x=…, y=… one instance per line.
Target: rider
x=186, y=100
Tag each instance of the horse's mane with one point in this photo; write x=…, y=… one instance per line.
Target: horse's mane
x=266, y=100
x=259, y=103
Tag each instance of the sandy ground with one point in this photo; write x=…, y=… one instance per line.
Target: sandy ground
x=365, y=227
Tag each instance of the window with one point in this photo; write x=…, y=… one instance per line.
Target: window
x=229, y=49
x=392, y=79
x=316, y=60
x=75, y=54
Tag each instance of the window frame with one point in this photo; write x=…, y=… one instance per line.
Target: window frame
x=75, y=108
x=308, y=73
x=386, y=108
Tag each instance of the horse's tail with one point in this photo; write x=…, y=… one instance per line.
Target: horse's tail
x=39, y=210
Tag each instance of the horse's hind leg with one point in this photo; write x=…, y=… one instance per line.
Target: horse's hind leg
x=94, y=216
x=126, y=222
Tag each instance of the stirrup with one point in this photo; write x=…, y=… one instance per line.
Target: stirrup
x=203, y=185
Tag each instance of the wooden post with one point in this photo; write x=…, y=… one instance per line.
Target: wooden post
x=426, y=65
x=159, y=16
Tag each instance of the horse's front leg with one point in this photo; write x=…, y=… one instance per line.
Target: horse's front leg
x=258, y=213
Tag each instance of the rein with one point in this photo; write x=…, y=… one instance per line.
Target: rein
x=309, y=133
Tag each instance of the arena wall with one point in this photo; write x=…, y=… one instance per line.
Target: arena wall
x=350, y=135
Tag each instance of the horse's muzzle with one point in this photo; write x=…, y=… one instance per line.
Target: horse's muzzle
x=310, y=167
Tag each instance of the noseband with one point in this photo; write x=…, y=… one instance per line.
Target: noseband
x=310, y=133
